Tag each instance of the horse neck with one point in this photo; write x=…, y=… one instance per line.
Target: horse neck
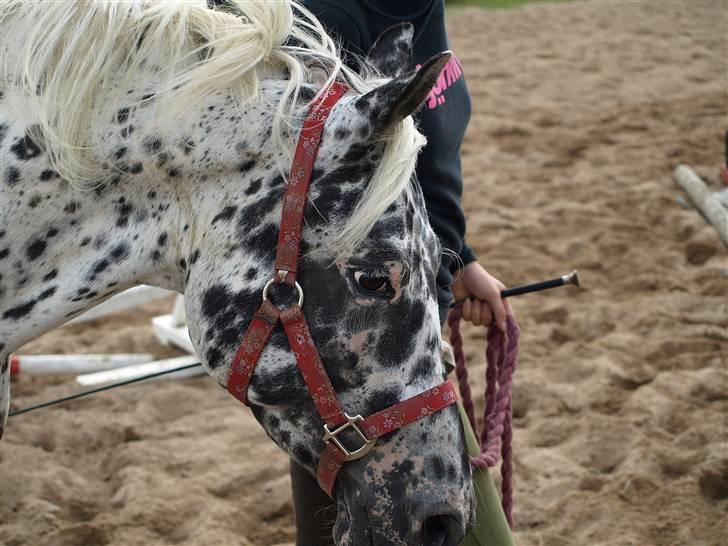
x=66, y=250
x=71, y=249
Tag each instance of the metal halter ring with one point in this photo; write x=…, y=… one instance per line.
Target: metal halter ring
x=275, y=280
x=351, y=422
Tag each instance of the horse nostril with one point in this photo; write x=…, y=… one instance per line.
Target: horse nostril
x=443, y=530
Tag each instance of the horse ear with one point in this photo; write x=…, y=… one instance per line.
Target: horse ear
x=402, y=96
x=391, y=53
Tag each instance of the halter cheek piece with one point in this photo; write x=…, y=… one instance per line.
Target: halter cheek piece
x=336, y=421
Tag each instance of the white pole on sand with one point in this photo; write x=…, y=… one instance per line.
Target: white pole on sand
x=172, y=328
x=132, y=372
x=73, y=364
x=707, y=201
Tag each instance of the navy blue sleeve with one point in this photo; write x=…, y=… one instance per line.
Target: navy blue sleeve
x=339, y=19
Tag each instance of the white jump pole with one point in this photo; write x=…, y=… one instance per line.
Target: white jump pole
x=139, y=370
x=73, y=364
x=168, y=331
x=704, y=199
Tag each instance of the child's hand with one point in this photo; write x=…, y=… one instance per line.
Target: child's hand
x=475, y=282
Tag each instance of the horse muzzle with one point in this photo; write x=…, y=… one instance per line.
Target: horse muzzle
x=377, y=518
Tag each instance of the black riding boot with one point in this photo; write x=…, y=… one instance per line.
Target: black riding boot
x=315, y=511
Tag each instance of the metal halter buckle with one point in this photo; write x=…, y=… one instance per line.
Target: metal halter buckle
x=352, y=422
x=279, y=279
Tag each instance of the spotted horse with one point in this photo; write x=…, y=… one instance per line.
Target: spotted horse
x=151, y=142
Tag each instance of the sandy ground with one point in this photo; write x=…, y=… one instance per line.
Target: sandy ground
x=581, y=110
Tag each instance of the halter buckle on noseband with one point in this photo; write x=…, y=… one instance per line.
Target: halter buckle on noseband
x=351, y=422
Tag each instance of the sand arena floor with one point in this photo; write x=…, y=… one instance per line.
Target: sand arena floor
x=581, y=110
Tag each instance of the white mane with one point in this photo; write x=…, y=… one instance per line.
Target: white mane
x=74, y=57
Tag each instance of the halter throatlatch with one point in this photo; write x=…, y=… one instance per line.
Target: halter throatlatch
x=336, y=421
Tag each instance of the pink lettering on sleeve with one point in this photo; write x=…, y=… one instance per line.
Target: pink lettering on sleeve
x=451, y=73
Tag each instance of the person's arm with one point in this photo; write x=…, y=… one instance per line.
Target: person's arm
x=440, y=179
x=466, y=254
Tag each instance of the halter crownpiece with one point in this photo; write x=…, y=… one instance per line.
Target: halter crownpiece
x=367, y=429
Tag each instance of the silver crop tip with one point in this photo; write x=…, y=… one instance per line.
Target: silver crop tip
x=572, y=278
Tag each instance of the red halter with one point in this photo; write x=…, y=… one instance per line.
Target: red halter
x=294, y=323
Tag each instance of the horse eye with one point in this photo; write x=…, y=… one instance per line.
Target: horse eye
x=371, y=281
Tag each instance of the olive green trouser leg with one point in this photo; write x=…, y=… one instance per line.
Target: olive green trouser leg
x=491, y=527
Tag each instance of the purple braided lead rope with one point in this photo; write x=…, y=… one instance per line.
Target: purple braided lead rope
x=497, y=434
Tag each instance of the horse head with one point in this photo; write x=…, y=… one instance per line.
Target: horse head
x=372, y=309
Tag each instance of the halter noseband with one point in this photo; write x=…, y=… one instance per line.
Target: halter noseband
x=259, y=331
